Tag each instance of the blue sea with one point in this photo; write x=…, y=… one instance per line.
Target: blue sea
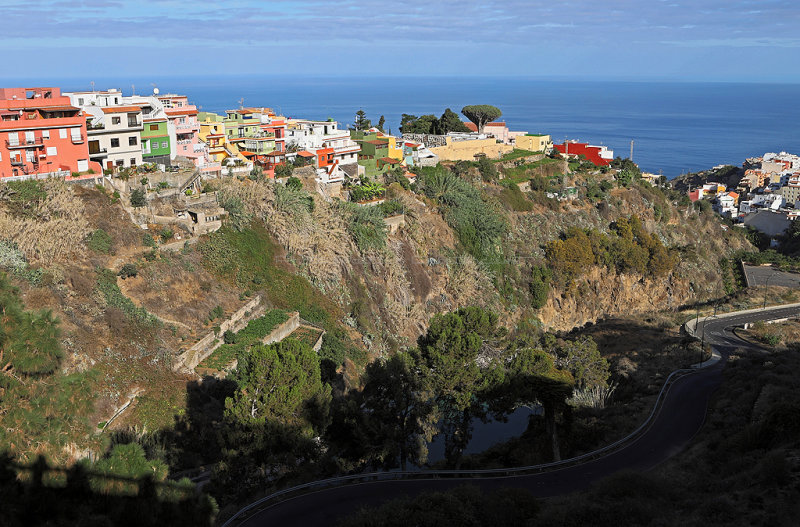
x=676, y=127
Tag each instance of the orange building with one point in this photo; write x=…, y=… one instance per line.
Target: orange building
x=41, y=133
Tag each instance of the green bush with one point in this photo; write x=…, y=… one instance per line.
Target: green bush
x=478, y=225
x=391, y=207
x=138, y=198
x=238, y=215
x=148, y=240
x=294, y=183
x=99, y=241
x=367, y=228
x=166, y=234
x=229, y=337
x=216, y=313
x=128, y=270
x=151, y=255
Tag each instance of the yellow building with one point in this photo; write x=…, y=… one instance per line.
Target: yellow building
x=533, y=142
x=214, y=135
x=467, y=150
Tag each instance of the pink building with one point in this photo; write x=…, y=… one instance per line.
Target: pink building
x=498, y=130
x=183, y=128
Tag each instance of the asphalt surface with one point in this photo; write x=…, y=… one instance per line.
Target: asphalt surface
x=680, y=418
x=768, y=275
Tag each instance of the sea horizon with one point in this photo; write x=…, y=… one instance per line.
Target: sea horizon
x=677, y=126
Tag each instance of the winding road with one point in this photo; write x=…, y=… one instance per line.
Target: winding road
x=680, y=417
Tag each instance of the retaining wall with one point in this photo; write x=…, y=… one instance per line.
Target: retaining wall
x=283, y=330
x=204, y=347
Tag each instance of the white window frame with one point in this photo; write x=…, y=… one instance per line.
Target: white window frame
x=52, y=151
x=62, y=133
x=45, y=134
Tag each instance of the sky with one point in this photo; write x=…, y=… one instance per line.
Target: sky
x=705, y=40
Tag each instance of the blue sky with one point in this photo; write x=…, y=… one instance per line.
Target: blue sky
x=725, y=40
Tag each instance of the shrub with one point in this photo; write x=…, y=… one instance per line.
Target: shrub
x=229, y=337
x=11, y=258
x=164, y=185
x=99, y=241
x=487, y=169
x=392, y=207
x=128, y=270
x=148, y=240
x=216, y=313
x=138, y=198
x=151, y=255
x=367, y=228
x=539, y=286
x=294, y=183
x=238, y=216
x=166, y=234
x=144, y=181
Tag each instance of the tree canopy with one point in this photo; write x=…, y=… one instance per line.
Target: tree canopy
x=480, y=114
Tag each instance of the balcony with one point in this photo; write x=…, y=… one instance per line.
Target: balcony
x=35, y=143
x=133, y=123
x=78, y=139
x=187, y=128
x=98, y=151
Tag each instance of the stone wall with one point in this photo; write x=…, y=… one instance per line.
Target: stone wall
x=467, y=150
x=283, y=330
x=395, y=222
x=190, y=358
x=428, y=140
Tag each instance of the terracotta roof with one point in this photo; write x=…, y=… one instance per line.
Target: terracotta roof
x=121, y=109
x=276, y=153
x=178, y=111
x=305, y=153
x=377, y=142
x=389, y=160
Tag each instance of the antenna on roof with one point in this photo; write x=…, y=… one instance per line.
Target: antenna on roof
x=92, y=83
x=133, y=89
x=241, y=103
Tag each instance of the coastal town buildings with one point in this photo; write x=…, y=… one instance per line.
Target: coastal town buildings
x=41, y=132
x=533, y=142
x=598, y=155
x=496, y=130
x=183, y=128
x=114, y=134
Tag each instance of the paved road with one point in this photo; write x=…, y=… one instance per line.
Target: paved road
x=680, y=418
x=768, y=275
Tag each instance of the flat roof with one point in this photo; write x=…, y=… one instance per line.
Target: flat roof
x=121, y=109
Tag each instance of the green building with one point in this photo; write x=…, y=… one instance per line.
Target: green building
x=155, y=141
x=374, y=155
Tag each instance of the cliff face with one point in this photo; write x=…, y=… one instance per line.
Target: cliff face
x=603, y=293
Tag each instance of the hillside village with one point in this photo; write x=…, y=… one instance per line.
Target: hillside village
x=83, y=135
x=763, y=195
x=174, y=248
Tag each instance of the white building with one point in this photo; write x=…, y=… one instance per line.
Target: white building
x=114, y=134
x=323, y=137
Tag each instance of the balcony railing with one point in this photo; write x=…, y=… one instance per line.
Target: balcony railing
x=97, y=151
x=78, y=139
x=25, y=143
x=133, y=123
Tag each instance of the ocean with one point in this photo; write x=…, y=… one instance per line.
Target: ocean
x=676, y=127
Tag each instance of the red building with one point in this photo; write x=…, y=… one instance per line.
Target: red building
x=41, y=133
x=599, y=155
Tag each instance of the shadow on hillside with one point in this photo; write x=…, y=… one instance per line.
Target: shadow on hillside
x=38, y=494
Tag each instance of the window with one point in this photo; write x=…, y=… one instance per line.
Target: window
x=133, y=161
x=114, y=142
x=83, y=165
x=62, y=133
x=120, y=162
x=153, y=127
x=30, y=156
x=13, y=138
x=29, y=138
x=45, y=134
x=132, y=141
x=80, y=101
x=164, y=144
x=182, y=120
x=52, y=151
x=1, y=156
x=75, y=133
x=116, y=120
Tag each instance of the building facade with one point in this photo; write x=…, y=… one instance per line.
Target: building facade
x=41, y=132
x=114, y=134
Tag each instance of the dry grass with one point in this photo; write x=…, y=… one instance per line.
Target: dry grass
x=55, y=230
